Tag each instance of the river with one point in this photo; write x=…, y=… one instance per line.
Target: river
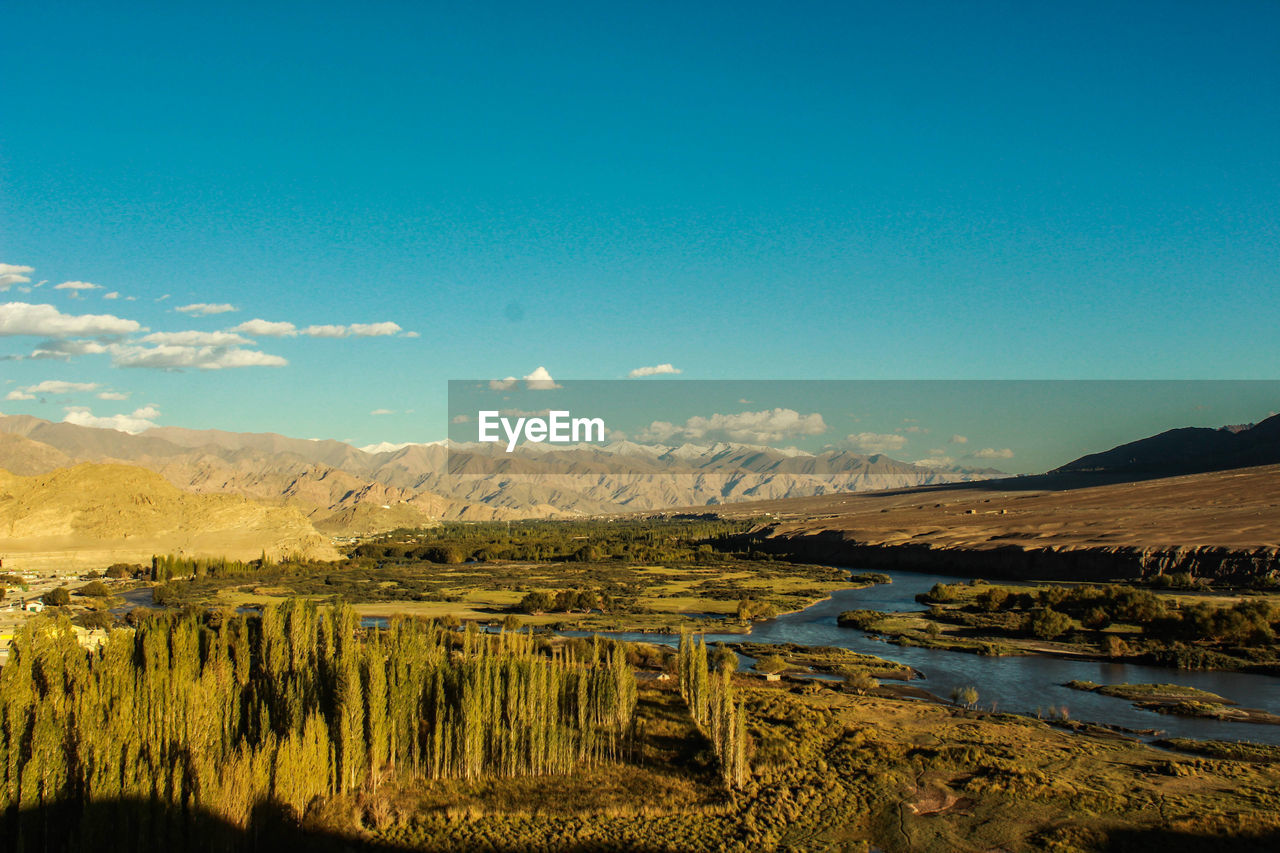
x=1021, y=684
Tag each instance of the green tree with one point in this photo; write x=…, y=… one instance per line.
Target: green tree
x=59, y=597
x=1048, y=624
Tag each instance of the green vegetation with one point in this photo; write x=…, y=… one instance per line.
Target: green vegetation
x=635, y=540
x=771, y=663
x=1204, y=631
x=824, y=659
x=299, y=729
x=710, y=696
x=170, y=566
x=1178, y=700
x=299, y=704
x=863, y=620
x=812, y=767
x=625, y=588
x=1142, y=692
x=966, y=696
x=94, y=589
x=58, y=597
x=1224, y=749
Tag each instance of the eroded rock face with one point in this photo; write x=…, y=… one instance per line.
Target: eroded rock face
x=1054, y=562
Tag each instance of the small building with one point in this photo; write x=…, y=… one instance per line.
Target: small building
x=650, y=675
x=773, y=676
x=33, y=605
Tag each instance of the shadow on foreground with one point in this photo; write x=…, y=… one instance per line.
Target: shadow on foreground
x=131, y=825
x=1170, y=841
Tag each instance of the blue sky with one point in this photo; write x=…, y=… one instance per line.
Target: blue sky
x=745, y=190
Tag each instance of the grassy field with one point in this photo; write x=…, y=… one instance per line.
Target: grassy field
x=835, y=771
x=641, y=597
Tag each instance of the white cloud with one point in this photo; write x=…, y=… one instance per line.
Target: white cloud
x=326, y=331
x=502, y=384
x=959, y=439
x=23, y=318
x=913, y=430
x=196, y=339
x=540, y=380
x=992, y=453
x=113, y=395
x=115, y=294
x=459, y=419
x=760, y=427
x=656, y=370
x=77, y=286
x=174, y=357
x=935, y=462
x=58, y=386
x=874, y=442
x=19, y=394
x=267, y=328
x=139, y=420
x=202, y=309
x=11, y=274
x=284, y=329
x=412, y=335
x=374, y=330
x=383, y=412
x=64, y=349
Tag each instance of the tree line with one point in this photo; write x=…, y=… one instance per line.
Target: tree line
x=1048, y=613
x=296, y=705
x=557, y=541
x=710, y=696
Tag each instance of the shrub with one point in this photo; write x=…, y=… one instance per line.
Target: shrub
x=941, y=593
x=751, y=610
x=864, y=620
x=860, y=682
x=94, y=589
x=966, y=696
x=138, y=615
x=1048, y=623
x=771, y=663
x=57, y=597
x=96, y=620
x=1115, y=647
x=993, y=599
x=722, y=658
x=1097, y=619
x=122, y=570
x=536, y=602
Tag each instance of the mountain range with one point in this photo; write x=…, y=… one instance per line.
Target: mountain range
x=349, y=491
x=1189, y=450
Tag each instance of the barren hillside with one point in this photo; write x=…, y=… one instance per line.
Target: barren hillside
x=93, y=513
